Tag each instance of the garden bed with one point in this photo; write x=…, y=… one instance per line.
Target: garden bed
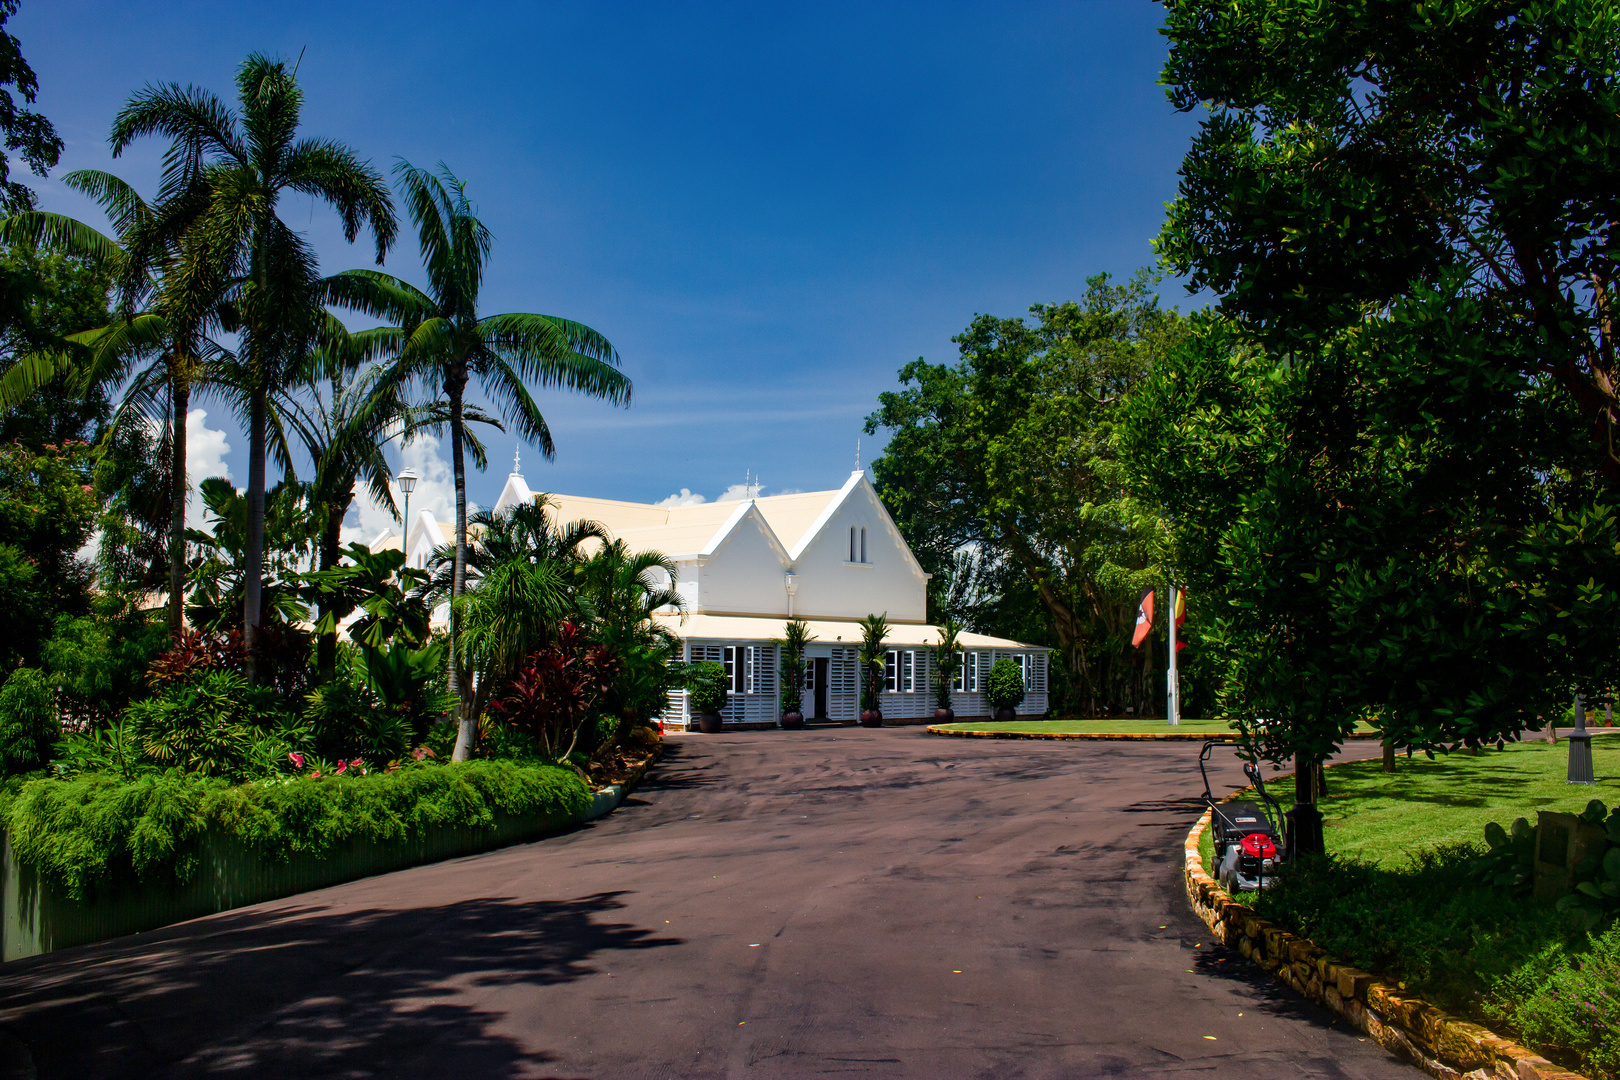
x=1401, y=896
x=92, y=859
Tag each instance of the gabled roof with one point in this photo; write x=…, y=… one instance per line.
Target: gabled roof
x=699, y=530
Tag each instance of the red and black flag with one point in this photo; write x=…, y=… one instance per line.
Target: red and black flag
x=1144, y=618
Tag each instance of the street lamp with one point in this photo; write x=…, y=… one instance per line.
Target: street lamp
x=407, y=484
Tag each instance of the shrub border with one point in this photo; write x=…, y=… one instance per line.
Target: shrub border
x=1104, y=736
x=1440, y=1044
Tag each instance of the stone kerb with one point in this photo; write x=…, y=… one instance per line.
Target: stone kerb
x=1440, y=1044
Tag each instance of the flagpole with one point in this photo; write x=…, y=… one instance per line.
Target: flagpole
x=1174, y=709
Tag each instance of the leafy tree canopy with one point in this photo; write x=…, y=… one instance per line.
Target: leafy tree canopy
x=26, y=132
x=1004, y=467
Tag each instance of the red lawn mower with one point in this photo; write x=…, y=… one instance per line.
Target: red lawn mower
x=1248, y=836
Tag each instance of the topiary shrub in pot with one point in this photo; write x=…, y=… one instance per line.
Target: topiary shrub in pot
x=709, y=688
x=874, y=633
x=947, y=661
x=792, y=644
x=1006, y=689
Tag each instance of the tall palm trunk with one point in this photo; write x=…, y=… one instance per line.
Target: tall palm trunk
x=180, y=393
x=455, y=386
x=331, y=536
x=253, y=572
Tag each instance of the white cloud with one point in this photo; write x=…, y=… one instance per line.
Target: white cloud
x=206, y=448
x=685, y=498
x=435, y=490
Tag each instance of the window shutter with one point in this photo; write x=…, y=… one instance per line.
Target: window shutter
x=891, y=666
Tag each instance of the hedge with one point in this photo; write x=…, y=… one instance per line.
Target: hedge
x=91, y=830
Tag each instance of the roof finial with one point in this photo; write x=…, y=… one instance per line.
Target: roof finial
x=857, y=453
x=517, y=460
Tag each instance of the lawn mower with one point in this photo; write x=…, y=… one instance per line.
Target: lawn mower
x=1248, y=836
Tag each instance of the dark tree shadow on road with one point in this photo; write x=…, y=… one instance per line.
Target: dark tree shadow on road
x=309, y=992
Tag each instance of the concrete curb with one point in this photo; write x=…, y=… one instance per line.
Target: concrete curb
x=608, y=799
x=1440, y=1044
x=1106, y=736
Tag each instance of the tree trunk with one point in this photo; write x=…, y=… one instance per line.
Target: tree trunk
x=467, y=732
x=1305, y=819
x=1389, y=755
x=253, y=572
x=331, y=534
x=180, y=396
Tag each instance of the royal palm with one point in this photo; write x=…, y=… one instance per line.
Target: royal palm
x=443, y=342
x=223, y=178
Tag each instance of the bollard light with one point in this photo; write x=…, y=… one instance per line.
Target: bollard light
x=1580, y=748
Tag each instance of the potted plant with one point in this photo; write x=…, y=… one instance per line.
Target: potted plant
x=709, y=687
x=947, y=659
x=1006, y=689
x=874, y=631
x=795, y=636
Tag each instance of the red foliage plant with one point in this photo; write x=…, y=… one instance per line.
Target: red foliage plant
x=556, y=689
x=195, y=654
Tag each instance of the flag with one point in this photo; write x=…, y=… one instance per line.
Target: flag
x=1181, y=616
x=1144, y=618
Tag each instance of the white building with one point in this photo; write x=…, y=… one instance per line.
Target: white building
x=744, y=568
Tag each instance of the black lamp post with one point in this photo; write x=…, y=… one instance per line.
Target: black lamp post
x=1580, y=748
x=407, y=484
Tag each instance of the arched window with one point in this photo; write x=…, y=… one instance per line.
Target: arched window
x=863, y=543
x=852, y=543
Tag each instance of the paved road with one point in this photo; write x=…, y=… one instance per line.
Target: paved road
x=842, y=903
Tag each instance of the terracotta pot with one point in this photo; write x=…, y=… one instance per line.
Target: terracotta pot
x=793, y=721
x=710, y=723
x=872, y=718
x=944, y=716
x=1006, y=714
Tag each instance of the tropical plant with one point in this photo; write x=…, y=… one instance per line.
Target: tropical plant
x=874, y=659
x=514, y=612
x=1006, y=689
x=220, y=574
x=947, y=661
x=223, y=177
x=709, y=686
x=28, y=724
x=203, y=726
x=158, y=351
x=557, y=690
x=620, y=591
x=795, y=637
x=440, y=339
x=378, y=583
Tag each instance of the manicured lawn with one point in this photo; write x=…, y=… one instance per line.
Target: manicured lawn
x=1383, y=817
x=1111, y=727
x=1104, y=727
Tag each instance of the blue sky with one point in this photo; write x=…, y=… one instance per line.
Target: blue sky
x=767, y=208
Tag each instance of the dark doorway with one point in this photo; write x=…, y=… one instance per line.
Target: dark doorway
x=818, y=672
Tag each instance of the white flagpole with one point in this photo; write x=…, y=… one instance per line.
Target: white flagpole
x=1174, y=709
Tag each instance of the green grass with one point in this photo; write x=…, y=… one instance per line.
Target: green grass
x=1106, y=727
x=1384, y=817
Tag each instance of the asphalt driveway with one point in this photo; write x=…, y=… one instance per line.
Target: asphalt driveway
x=775, y=904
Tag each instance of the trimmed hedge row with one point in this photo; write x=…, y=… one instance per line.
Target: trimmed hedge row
x=91, y=831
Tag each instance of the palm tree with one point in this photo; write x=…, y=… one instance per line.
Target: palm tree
x=223, y=176
x=344, y=419
x=442, y=341
x=166, y=316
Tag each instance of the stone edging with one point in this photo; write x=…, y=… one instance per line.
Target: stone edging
x=606, y=800
x=1440, y=1044
x=1123, y=736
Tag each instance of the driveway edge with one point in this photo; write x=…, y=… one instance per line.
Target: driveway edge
x=1440, y=1044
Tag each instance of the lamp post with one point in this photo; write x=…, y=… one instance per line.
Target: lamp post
x=1580, y=748
x=407, y=484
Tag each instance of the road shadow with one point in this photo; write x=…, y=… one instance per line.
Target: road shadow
x=308, y=991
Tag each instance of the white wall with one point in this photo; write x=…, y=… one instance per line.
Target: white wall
x=746, y=574
x=890, y=581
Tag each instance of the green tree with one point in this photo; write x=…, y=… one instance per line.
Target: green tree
x=224, y=176
x=47, y=512
x=1356, y=153
x=442, y=341
x=157, y=353
x=1002, y=473
x=24, y=131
